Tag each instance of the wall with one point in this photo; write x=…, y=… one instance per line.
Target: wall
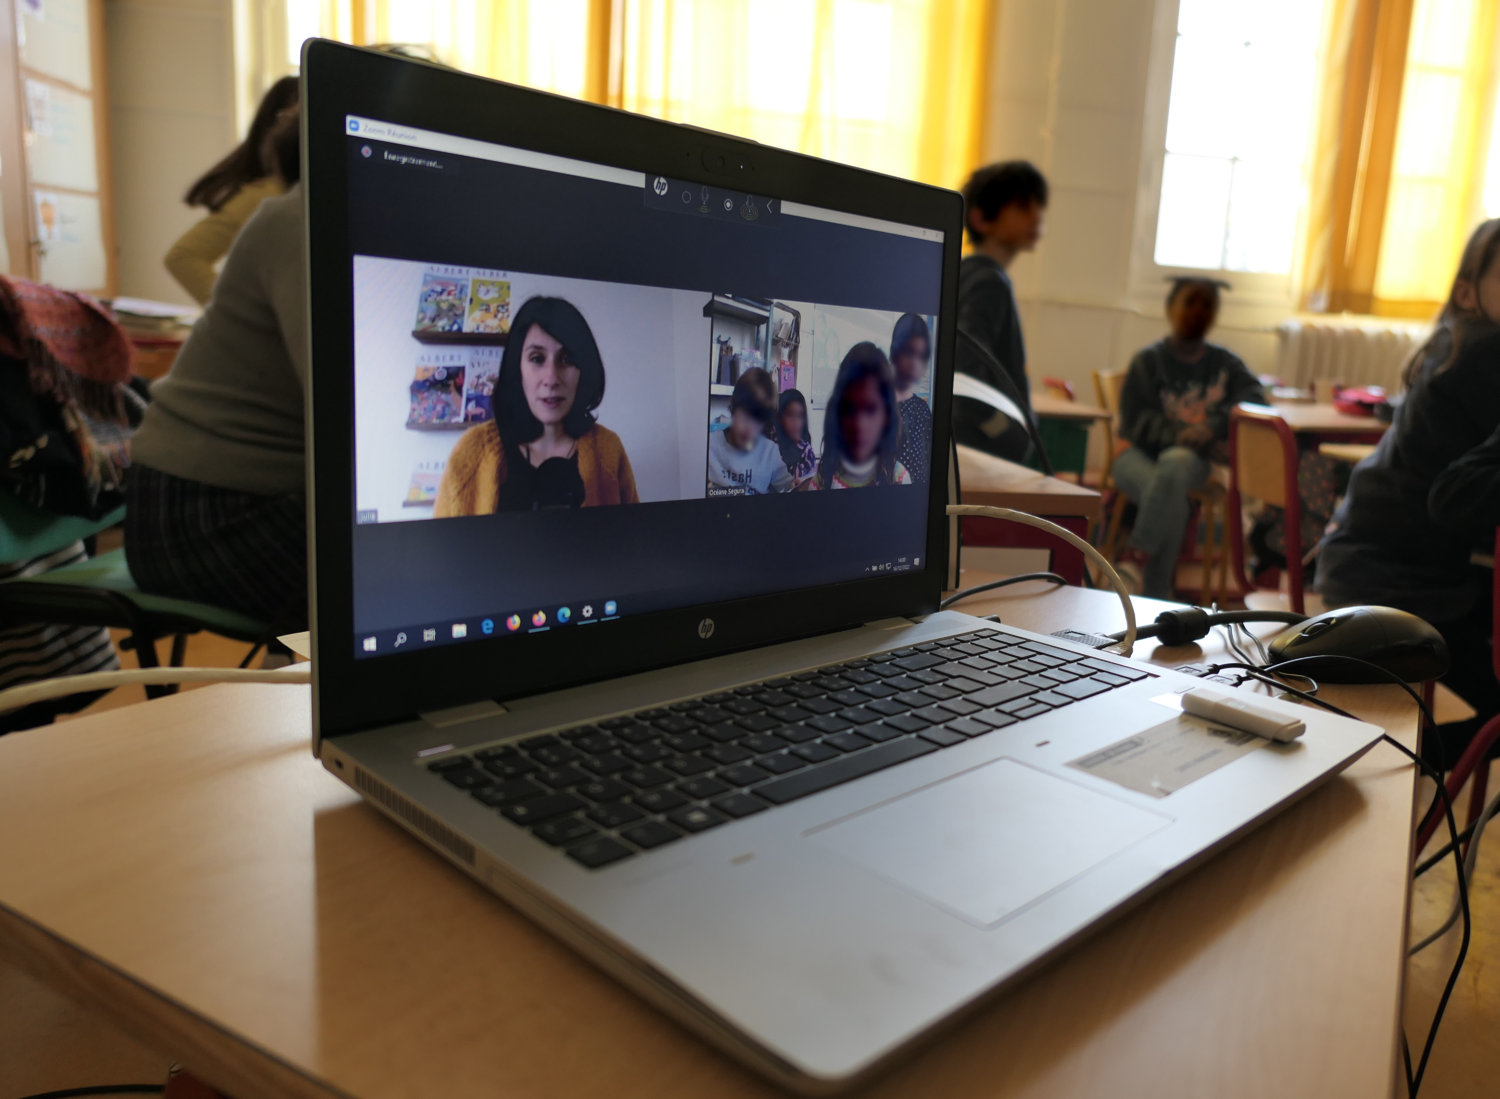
x=172, y=116
x=1071, y=84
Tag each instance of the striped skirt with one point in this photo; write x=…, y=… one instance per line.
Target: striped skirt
x=219, y=546
x=32, y=652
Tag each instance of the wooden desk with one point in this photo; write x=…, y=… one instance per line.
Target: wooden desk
x=1049, y=407
x=185, y=867
x=995, y=482
x=1353, y=453
x=1326, y=420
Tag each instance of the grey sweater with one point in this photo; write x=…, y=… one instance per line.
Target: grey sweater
x=230, y=413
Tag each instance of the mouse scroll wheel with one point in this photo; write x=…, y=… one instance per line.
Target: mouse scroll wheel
x=1319, y=627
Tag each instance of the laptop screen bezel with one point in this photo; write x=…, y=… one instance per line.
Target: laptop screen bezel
x=350, y=695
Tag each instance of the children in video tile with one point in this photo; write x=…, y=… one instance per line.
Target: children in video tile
x=543, y=449
x=742, y=459
x=862, y=428
x=794, y=437
x=911, y=348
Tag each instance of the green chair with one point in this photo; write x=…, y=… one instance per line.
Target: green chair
x=99, y=591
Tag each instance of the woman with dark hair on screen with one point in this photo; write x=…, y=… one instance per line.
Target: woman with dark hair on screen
x=543, y=449
x=231, y=191
x=862, y=428
x=911, y=349
x=794, y=438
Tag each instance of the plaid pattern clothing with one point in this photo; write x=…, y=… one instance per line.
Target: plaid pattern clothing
x=232, y=549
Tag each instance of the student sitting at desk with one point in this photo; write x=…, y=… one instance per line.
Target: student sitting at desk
x=216, y=497
x=1174, y=411
x=1405, y=531
x=743, y=459
x=1005, y=208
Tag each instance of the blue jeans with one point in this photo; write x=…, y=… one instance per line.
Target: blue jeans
x=1159, y=487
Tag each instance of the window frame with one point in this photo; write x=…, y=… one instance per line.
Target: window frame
x=1147, y=277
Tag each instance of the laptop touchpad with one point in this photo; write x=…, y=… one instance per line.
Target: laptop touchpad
x=986, y=843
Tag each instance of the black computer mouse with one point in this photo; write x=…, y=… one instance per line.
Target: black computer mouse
x=1396, y=641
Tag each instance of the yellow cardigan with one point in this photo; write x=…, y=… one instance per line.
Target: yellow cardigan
x=191, y=260
x=476, y=470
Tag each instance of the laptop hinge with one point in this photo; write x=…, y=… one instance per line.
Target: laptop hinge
x=457, y=715
x=889, y=624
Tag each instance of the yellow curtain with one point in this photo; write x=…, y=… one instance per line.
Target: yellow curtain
x=897, y=86
x=1397, y=167
x=1440, y=145
x=1360, y=98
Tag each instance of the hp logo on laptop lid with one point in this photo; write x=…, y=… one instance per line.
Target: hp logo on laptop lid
x=706, y=628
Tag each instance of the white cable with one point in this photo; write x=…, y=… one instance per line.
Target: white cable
x=1128, y=642
x=13, y=698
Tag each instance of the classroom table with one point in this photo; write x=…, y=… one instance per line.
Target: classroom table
x=1047, y=406
x=187, y=869
x=985, y=479
x=1324, y=421
x=1353, y=453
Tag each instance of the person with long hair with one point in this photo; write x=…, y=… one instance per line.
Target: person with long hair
x=862, y=427
x=911, y=350
x=795, y=437
x=231, y=191
x=1396, y=542
x=544, y=448
x=216, y=502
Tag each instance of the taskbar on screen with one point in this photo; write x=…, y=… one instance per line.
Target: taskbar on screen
x=456, y=631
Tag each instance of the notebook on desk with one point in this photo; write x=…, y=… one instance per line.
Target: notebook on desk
x=653, y=658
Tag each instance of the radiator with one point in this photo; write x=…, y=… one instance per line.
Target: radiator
x=1351, y=350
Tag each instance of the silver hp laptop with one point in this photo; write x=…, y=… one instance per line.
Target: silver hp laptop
x=627, y=554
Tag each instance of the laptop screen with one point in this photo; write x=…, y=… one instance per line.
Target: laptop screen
x=583, y=393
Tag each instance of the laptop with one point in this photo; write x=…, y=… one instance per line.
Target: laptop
x=627, y=552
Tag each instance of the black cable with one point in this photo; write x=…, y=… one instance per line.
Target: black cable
x=1022, y=402
x=1022, y=578
x=1178, y=627
x=102, y=1089
x=1390, y=675
x=1442, y=853
x=1414, y=1081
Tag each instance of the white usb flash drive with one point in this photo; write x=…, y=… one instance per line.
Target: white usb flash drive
x=1239, y=712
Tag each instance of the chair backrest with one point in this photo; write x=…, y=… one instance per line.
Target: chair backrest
x=1263, y=456
x=1108, y=385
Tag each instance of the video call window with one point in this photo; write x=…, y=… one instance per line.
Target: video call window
x=487, y=390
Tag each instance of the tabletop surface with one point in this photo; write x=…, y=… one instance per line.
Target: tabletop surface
x=1325, y=419
x=986, y=479
x=188, y=869
x=1049, y=406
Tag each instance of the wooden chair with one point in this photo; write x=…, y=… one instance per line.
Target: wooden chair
x=1263, y=464
x=1209, y=502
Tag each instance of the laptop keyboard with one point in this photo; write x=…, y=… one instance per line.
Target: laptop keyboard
x=606, y=791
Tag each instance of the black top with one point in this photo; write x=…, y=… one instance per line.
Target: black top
x=1465, y=498
x=1163, y=394
x=915, y=451
x=1388, y=548
x=987, y=311
x=556, y=483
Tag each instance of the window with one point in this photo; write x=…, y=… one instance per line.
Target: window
x=1243, y=91
x=1431, y=205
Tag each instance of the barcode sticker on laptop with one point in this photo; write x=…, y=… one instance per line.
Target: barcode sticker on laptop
x=1166, y=757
